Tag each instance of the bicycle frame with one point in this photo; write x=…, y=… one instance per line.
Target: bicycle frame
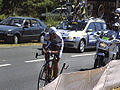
x=50, y=65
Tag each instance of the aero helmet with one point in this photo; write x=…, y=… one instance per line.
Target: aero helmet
x=52, y=30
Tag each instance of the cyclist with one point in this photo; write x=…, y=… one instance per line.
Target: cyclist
x=57, y=47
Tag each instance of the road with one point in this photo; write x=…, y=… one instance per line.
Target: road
x=19, y=69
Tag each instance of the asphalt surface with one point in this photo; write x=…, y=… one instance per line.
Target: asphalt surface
x=19, y=69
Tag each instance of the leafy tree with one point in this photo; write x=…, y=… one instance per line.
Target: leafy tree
x=31, y=8
x=9, y=6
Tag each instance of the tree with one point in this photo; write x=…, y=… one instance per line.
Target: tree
x=27, y=7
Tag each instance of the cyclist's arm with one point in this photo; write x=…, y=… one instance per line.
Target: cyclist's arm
x=57, y=50
x=44, y=49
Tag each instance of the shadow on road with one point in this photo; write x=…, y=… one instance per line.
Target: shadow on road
x=84, y=69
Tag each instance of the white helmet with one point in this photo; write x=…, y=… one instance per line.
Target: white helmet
x=52, y=30
x=116, y=24
x=117, y=10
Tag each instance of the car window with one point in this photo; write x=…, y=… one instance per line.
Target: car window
x=63, y=25
x=35, y=23
x=58, y=11
x=92, y=26
x=81, y=26
x=103, y=26
x=98, y=26
x=12, y=21
x=72, y=26
x=28, y=20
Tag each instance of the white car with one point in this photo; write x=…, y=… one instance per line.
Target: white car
x=80, y=35
x=56, y=13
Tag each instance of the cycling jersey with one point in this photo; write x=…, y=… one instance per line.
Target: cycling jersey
x=58, y=41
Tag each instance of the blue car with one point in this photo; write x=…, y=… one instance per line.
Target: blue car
x=18, y=29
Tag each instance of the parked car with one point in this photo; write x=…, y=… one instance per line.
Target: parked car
x=55, y=13
x=17, y=29
x=80, y=34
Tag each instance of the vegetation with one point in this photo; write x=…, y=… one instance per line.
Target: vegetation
x=32, y=8
x=29, y=8
x=17, y=45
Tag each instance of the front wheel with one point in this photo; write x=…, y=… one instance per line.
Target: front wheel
x=16, y=39
x=81, y=46
x=42, y=77
x=98, y=61
x=41, y=39
x=45, y=76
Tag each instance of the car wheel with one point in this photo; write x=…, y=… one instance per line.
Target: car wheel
x=41, y=39
x=81, y=47
x=15, y=39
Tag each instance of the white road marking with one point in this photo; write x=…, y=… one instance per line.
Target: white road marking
x=4, y=65
x=37, y=60
x=79, y=55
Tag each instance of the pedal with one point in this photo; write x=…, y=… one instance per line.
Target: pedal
x=36, y=55
x=66, y=66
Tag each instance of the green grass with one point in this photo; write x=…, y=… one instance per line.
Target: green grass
x=22, y=44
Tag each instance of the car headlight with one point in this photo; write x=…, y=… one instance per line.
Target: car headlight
x=70, y=38
x=9, y=33
x=103, y=44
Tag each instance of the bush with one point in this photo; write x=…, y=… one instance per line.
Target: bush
x=51, y=21
x=2, y=17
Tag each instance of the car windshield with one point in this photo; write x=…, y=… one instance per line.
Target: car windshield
x=57, y=11
x=107, y=36
x=12, y=22
x=72, y=26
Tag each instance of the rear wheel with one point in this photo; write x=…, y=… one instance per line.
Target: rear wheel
x=81, y=46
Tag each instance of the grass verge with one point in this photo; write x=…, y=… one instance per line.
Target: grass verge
x=22, y=44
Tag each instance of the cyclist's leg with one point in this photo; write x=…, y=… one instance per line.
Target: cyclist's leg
x=56, y=63
x=56, y=67
x=46, y=56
